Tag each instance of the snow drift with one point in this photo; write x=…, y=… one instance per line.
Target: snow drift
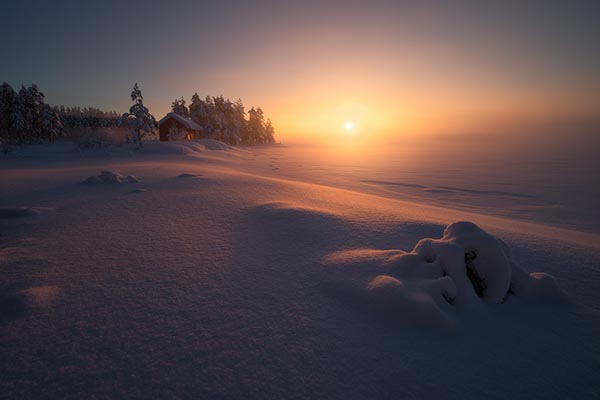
x=189, y=176
x=184, y=147
x=22, y=212
x=18, y=212
x=111, y=178
x=440, y=278
x=217, y=287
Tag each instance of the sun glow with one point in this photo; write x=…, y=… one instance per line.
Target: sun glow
x=349, y=126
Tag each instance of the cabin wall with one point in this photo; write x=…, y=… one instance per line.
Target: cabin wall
x=184, y=132
x=166, y=127
x=194, y=135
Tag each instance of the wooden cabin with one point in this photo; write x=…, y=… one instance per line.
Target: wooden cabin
x=175, y=127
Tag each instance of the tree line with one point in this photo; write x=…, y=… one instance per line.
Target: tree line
x=87, y=117
x=225, y=120
x=25, y=119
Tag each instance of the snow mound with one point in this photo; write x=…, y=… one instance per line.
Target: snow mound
x=18, y=212
x=417, y=301
x=17, y=305
x=110, y=178
x=292, y=221
x=440, y=278
x=12, y=307
x=183, y=147
x=291, y=216
x=211, y=144
x=172, y=148
x=42, y=296
x=189, y=176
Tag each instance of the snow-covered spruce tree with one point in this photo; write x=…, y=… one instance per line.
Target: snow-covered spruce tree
x=23, y=119
x=225, y=120
x=88, y=117
x=139, y=120
x=218, y=117
x=224, y=117
x=52, y=126
x=269, y=132
x=200, y=112
x=178, y=107
x=255, y=131
x=30, y=105
x=234, y=122
x=239, y=120
x=8, y=98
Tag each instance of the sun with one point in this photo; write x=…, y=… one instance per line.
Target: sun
x=349, y=126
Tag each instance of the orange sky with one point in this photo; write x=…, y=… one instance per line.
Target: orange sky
x=392, y=67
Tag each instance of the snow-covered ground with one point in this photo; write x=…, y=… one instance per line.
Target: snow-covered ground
x=196, y=270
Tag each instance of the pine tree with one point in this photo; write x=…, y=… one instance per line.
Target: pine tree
x=8, y=99
x=88, y=117
x=139, y=119
x=269, y=132
x=51, y=124
x=178, y=107
x=255, y=132
x=222, y=119
x=22, y=117
x=27, y=116
x=239, y=120
x=37, y=103
x=200, y=113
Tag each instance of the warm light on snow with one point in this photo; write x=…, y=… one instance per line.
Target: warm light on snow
x=200, y=260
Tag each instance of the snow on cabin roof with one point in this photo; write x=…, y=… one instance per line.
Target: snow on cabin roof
x=182, y=120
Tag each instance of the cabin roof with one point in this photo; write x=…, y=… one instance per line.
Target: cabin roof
x=188, y=123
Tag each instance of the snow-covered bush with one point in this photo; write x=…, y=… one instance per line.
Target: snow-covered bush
x=464, y=270
x=479, y=265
